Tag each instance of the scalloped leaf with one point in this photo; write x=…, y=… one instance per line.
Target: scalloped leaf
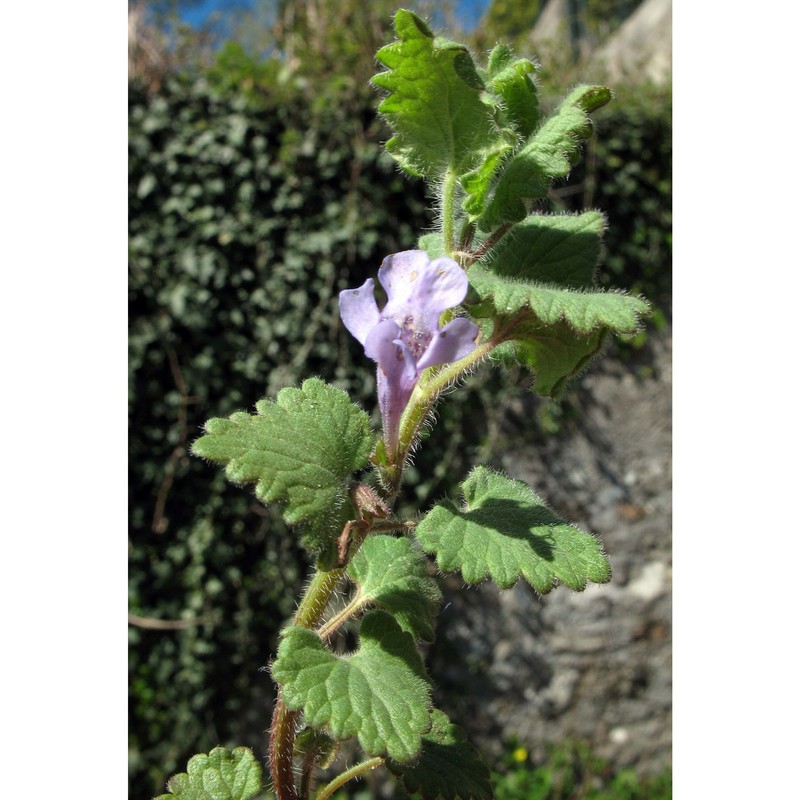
x=392, y=574
x=449, y=767
x=584, y=311
x=550, y=153
x=554, y=331
x=435, y=103
x=299, y=451
x=221, y=775
x=504, y=531
x=380, y=693
x=561, y=249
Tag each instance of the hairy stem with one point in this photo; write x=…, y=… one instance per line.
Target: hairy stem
x=316, y=598
x=424, y=396
x=448, y=211
x=335, y=622
x=281, y=750
x=284, y=721
x=359, y=769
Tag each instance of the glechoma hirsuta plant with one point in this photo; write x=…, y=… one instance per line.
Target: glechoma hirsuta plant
x=498, y=278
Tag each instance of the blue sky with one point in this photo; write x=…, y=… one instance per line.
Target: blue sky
x=469, y=11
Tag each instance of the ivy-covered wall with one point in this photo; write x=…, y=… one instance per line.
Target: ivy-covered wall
x=248, y=214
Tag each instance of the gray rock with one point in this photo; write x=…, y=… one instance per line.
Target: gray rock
x=594, y=665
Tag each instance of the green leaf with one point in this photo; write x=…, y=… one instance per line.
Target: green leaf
x=554, y=354
x=432, y=244
x=477, y=183
x=298, y=451
x=555, y=331
x=449, y=767
x=220, y=775
x=560, y=249
x=584, y=311
x=510, y=79
x=549, y=154
x=380, y=693
x=435, y=103
x=390, y=573
x=504, y=530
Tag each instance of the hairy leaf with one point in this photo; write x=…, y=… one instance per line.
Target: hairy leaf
x=555, y=331
x=380, y=693
x=298, y=451
x=449, y=767
x=509, y=78
x=435, y=103
x=550, y=153
x=432, y=244
x=584, y=311
x=392, y=574
x=221, y=775
x=560, y=249
x=504, y=530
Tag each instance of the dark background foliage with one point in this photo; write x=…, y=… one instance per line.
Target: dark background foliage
x=251, y=206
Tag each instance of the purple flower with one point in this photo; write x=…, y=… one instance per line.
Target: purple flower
x=404, y=338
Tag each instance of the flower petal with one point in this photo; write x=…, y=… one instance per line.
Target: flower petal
x=380, y=344
x=359, y=311
x=420, y=290
x=399, y=271
x=454, y=341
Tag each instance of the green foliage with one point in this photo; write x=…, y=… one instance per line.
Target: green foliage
x=555, y=331
x=509, y=78
x=220, y=775
x=550, y=153
x=299, y=450
x=391, y=574
x=380, y=693
x=432, y=79
x=448, y=768
x=244, y=225
x=573, y=772
x=503, y=531
x=628, y=173
x=250, y=208
x=562, y=249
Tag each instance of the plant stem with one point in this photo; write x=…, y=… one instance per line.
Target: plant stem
x=359, y=769
x=448, y=211
x=316, y=598
x=284, y=721
x=335, y=622
x=281, y=750
x=424, y=396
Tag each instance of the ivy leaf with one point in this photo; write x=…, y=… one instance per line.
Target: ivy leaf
x=560, y=249
x=550, y=153
x=298, y=451
x=554, y=331
x=220, y=775
x=380, y=693
x=392, y=574
x=449, y=767
x=435, y=103
x=504, y=530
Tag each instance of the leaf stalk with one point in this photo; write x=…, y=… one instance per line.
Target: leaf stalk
x=354, y=772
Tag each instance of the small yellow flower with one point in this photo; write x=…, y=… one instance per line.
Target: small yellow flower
x=520, y=755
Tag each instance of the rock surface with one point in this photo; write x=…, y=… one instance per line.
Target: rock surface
x=595, y=665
